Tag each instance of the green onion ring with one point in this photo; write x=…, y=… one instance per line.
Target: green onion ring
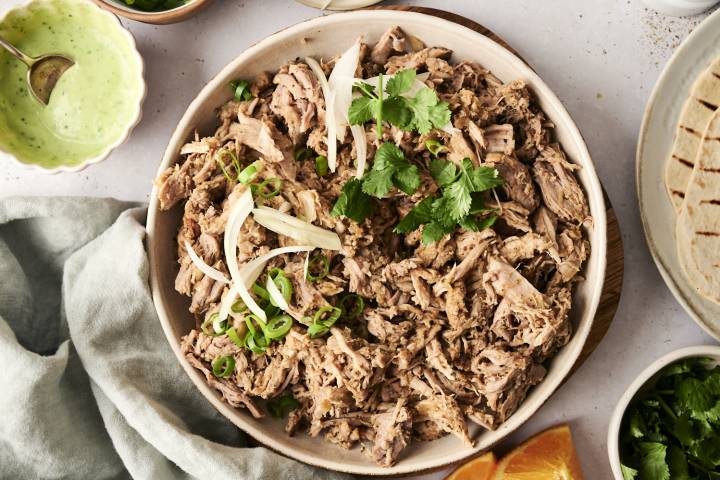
x=256, y=343
x=210, y=321
x=435, y=147
x=314, y=261
x=260, y=292
x=239, y=307
x=278, y=327
x=358, y=302
x=283, y=283
x=220, y=325
x=248, y=173
x=321, y=165
x=249, y=321
x=241, y=90
x=220, y=157
x=263, y=191
x=232, y=333
x=317, y=329
x=319, y=316
x=223, y=366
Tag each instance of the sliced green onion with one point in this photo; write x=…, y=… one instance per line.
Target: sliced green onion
x=278, y=327
x=220, y=325
x=321, y=165
x=435, y=147
x=248, y=173
x=352, y=300
x=239, y=307
x=317, y=329
x=233, y=335
x=329, y=320
x=241, y=90
x=318, y=262
x=264, y=191
x=260, y=292
x=303, y=153
x=256, y=342
x=210, y=322
x=223, y=366
x=251, y=328
x=220, y=158
x=279, y=407
x=283, y=283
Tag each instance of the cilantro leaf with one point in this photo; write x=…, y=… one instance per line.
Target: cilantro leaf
x=420, y=214
x=353, y=203
x=434, y=231
x=677, y=461
x=443, y=172
x=473, y=224
x=652, y=461
x=628, y=473
x=401, y=83
x=485, y=178
x=428, y=111
x=362, y=110
x=396, y=112
x=694, y=395
x=391, y=168
x=457, y=198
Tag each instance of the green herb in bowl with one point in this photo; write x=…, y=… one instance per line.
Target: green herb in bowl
x=671, y=429
x=154, y=5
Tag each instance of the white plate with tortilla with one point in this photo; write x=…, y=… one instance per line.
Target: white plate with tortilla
x=684, y=78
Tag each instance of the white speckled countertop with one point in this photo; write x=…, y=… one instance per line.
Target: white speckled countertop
x=601, y=58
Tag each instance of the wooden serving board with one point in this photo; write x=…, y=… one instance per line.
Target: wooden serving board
x=610, y=298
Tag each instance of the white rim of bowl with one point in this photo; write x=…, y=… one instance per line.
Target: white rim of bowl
x=515, y=421
x=613, y=437
x=131, y=125
x=664, y=271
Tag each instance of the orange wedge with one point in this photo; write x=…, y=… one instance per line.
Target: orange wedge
x=549, y=455
x=480, y=468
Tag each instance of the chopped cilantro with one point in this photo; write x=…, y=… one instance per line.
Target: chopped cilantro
x=672, y=430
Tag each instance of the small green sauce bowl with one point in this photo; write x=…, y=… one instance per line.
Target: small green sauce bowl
x=96, y=103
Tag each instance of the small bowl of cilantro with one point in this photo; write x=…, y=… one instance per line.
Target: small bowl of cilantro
x=667, y=424
x=154, y=11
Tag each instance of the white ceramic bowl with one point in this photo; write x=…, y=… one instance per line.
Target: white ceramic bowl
x=325, y=37
x=680, y=8
x=19, y=5
x=711, y=351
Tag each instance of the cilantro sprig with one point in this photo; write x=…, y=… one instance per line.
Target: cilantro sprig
x=421, y=113
x=460, y=204
x=672, y=431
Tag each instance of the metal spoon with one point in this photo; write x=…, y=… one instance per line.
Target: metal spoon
x=43, y=72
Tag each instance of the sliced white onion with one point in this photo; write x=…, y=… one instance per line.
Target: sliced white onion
x=331, y=125
x=211, y=272
x=227, y=301
x=238, y=214
x=252, y=270
x=293, y=227
x=360, y=139
x=250, y=301
x=306, y=267
x=275, y=294
x=341, y=82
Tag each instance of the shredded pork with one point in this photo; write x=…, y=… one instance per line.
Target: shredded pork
x=452, y=332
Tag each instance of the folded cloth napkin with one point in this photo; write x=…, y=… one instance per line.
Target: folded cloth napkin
x=89, y=387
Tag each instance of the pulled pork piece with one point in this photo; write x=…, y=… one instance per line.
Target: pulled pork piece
x=417, y=60
x=392, y=432
x=393, y=41
x=446, y=414
x=296, y=98
x=517, y=182
x=560, y=189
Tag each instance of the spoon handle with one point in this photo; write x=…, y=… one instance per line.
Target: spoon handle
x=16, y=53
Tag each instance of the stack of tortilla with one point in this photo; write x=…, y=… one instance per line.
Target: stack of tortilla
x=692, y=178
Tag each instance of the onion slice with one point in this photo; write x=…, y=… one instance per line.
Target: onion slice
x=341, y=82
x=276, y=294
x=211, y=272
x=238, y=214
x=360, y=139
x=331, y=125
x=297, y=229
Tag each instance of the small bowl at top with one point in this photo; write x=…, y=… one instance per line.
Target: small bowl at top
x=160, y=16
x=95, y=104
x=647, y=377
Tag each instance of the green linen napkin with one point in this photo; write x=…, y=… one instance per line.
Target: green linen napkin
x=89, y=387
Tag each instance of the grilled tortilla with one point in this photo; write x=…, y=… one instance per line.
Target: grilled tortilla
x=698, y=226
x=700, y=106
